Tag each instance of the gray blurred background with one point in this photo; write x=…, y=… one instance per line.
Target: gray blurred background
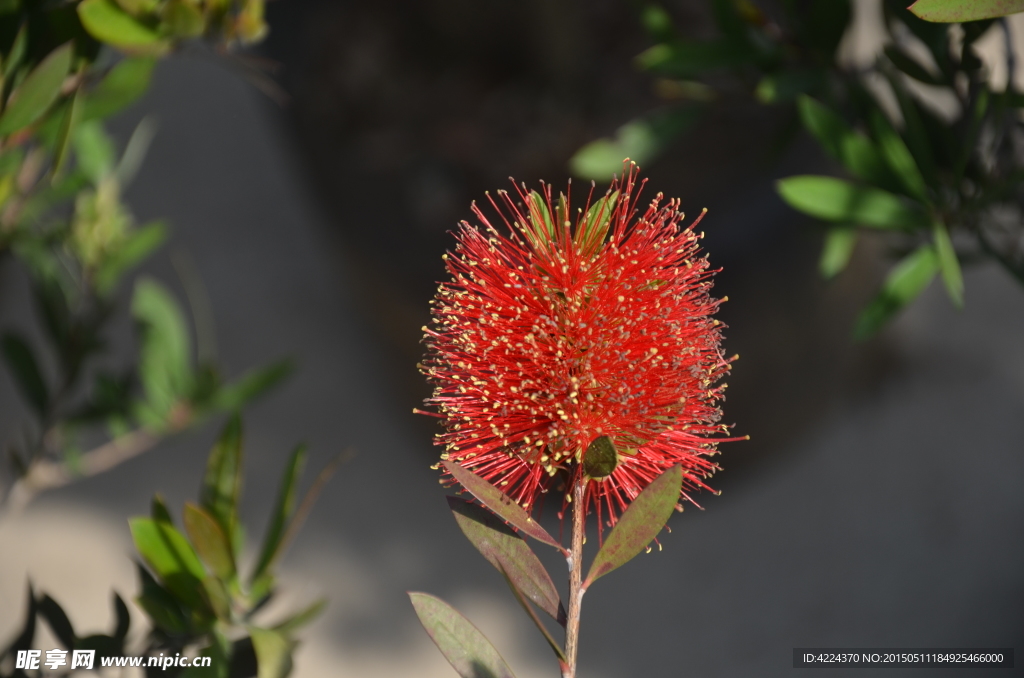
x=877, y=504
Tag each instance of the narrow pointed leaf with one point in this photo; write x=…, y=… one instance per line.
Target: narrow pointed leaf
x=67, y=127
x=218, y=597
x=273, y=653
x=959, y=11
x=38, y=91
x=137, y=245
x=905, y=282
x=211, y=544
x=162, y=608
x=855, y=151
x=21, y=361
x=282, y=514
x=124, y=620
x=552, y=643
x=949, y=266
x=908, y=65
x=124, y=84
x=165, y=355
x=639, y=524
x=58, y=621
x=837, y=200
x=299, y=620
x=835, y=255
x=509, y=553
x=466, y=649
x=23, y=641
x=223, y=479
x=499, y=502
x=251, y=385
x=898, y=156
x=171, y=556
x=158, y=509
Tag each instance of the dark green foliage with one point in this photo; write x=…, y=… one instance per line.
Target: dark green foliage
x=925, y=179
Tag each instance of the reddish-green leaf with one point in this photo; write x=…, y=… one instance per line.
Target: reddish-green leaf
x=499, y=502
x=959, y=11
x=639, y=524
x=210, y=542
x=283, y=510
x=559, y=652
x=466, y=649
x=509, y=553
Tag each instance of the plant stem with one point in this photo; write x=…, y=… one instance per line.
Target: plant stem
x=576, y=590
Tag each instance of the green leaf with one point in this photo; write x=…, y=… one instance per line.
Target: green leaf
x=784, y=86
x=552, y=643
x=837, y=200
x=108, y=23
x=915, y=131
x=124, y=620
x=273, y=653
x=905, y=282
x=959, y=11
x=949, y=266
x=58, y=621
x=282, y=514
x=171, y=556
x=160, y=605
x=852, y=149
x=639, y=524
x=164, y=361
x=911, y=67
x=183, y=19
x=222, y=483
x=137, y=245
x=639, y=140
x=466, y=649
x=509, y=553
x=835, y=255
x=594, y=227
x=94, y=151
x=21, y=360
x=499, y=502
x=824, y=24
x=692, y=58
x=898, y=156
x=158, y=510
x=657, y=22
x=217, y=597
x=38, y=91
x=123, y=85
x=210, y=542
x=251, y=385
x=18, y=49
x=297, y=621
x=67, y=127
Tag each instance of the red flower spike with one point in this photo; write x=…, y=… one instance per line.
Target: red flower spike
x=561, y=333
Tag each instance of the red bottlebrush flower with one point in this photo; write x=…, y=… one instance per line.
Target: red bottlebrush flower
x=560, y=338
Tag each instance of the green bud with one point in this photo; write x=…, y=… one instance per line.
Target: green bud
x=600, y=459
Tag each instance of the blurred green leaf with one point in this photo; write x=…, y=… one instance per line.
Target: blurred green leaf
x=58, y=621
x=135, y=150
x=284, y=508
x=851, y=148
x=122, y=86
x=18, y=49
x=183, y=19
x=108, y=23
x=222, y=483
x=657, y=22
x=160, y=605
x=898, y=156
x=273, y=653
x=466, y=649
x=67, y=128
x=692, y=58
x=9, y=6
x=915, y=132
x=164, y=361
x=158, y=510
x=94, y=151
x=509, y=553
x=21, y=360
x=639, y=140
x=949, y=266
x=839, y=244
x=639, y=524
x=37, y=92
x=210, y=542
x=297, y=621
x=218, y=597
x=905, y=282
x=251, y=385
x=499, y=502
x=136, y=246
x=784, y=86
x=960, y=11
x=171, y=556
x=837, y=200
